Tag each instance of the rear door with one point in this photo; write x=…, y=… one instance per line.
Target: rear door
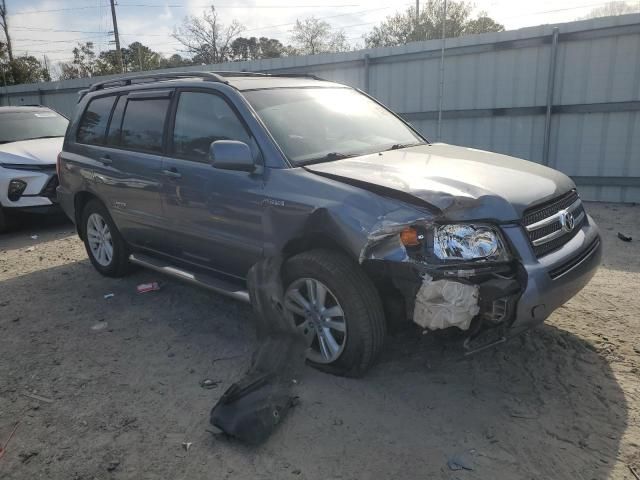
x=132, y=162
x=214, y=215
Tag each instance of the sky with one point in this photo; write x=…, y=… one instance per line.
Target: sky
x=54, y=27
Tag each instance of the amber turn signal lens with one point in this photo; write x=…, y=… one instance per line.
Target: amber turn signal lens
x=409, y=237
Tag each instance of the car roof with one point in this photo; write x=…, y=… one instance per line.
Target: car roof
x=241, y=81
x=24, y=108
x=262, y=82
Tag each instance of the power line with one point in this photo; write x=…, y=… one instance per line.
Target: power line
x=31, y=29
x=36, y=42
x=235, y=6
x=246, y=30
x=142, y=5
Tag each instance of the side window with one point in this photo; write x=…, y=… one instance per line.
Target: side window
x=202, y=118
x=113, y=135
x=93, y=124
x=143, y=124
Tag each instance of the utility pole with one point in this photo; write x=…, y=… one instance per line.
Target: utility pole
x=6, y=90
x=117, y=37
x=444, y=35
x=417, y=17
x=45, y=62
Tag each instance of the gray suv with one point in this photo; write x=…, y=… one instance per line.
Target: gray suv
x=205, y=175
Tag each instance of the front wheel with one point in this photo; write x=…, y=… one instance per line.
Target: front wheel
x=105, y=246
x=331, y=301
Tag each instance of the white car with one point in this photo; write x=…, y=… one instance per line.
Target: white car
x=30, y=141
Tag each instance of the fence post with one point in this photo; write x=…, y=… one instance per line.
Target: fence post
x=550, y=86
x=367, y=61
x=40, y=97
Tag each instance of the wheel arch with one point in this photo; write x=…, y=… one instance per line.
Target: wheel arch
x=391, y=298
x=80, y=199
x=312, y=241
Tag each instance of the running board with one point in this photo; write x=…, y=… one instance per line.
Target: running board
x=199, y=279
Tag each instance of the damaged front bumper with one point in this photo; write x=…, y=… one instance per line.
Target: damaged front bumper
x=555, y=278
x=506, y=298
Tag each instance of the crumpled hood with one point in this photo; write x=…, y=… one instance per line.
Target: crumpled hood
x=462, y=183
x=41, y=151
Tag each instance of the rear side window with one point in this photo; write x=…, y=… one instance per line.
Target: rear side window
x=203, y=118
x=143, y=124
x=93, y=126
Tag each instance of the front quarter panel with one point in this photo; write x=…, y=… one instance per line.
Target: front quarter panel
x=301, y=204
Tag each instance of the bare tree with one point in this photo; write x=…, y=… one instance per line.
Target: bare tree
x=5, y=29
x=312, y=35
x=612, y=9
x=403, y=27
x=83, y=64
x=206, y=38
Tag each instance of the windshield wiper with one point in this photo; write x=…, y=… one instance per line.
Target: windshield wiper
x=398, y=146
x=329, y=157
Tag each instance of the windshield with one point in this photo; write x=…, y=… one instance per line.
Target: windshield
x=16, y=126
x=324, y=124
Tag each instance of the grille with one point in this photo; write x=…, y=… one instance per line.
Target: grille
x=549, y=235
x=49, y=189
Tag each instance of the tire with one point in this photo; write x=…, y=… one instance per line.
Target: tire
x=95, y=216
x=354, y=294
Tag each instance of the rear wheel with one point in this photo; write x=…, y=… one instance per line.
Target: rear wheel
x=105, y=246
x=334, y=305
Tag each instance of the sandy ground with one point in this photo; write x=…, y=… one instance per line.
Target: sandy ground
x=561, y=402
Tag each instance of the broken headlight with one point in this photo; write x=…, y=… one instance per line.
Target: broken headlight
x=468, y=242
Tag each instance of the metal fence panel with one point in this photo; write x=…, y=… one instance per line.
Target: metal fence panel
x=503, y=92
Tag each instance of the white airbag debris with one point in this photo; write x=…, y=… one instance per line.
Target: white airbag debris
x=443, y=303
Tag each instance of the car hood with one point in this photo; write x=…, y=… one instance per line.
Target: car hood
x=40, y=151
x=458, y=183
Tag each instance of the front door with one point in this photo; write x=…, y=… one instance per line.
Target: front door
x=214, y=215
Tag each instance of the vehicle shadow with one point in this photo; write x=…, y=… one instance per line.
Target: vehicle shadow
x=123, y=375
x=44, y=227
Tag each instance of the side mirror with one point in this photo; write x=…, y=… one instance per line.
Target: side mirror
x=231, y=155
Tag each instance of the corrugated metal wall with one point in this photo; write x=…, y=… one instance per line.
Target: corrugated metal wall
x=498, y=89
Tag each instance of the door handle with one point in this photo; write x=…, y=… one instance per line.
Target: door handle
x=106, y=160
x=172, y=173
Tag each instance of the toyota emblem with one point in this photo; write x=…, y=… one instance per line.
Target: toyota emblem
x=567, y=221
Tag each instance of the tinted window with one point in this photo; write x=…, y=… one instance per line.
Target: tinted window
x=29, y=124
x=202, y=118
x=143, y=124
x=113, y=136
x=94, y=121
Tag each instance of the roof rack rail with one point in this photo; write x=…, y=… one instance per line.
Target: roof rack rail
x=240, y=73
x=120, y=82
x=210, y=76
x=302, y=75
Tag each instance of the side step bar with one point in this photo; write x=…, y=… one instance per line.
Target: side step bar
x=199, y=279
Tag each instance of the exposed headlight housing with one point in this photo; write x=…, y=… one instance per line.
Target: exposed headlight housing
x=468, y=242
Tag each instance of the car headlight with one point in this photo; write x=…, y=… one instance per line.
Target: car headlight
x=468, y=242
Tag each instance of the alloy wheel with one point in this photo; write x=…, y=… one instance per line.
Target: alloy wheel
x=100, y=241
x=318, y=316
